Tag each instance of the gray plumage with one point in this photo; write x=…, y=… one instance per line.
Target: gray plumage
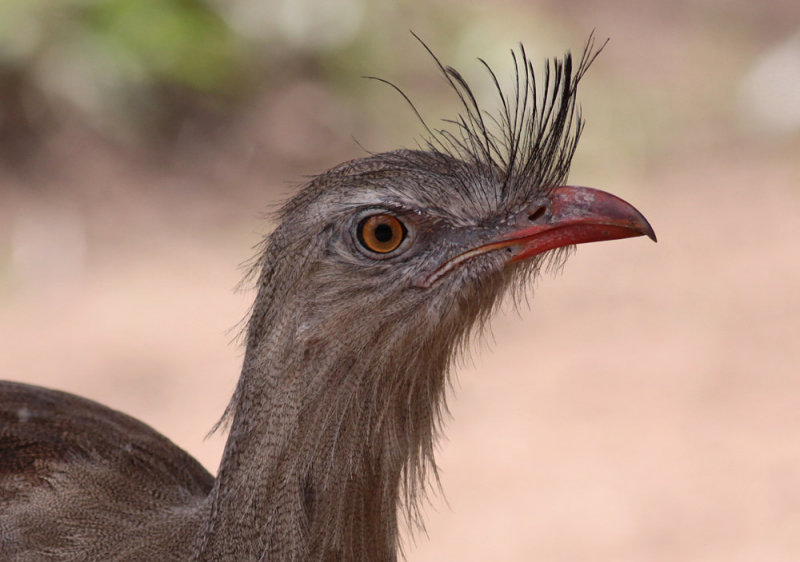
x=335, y=416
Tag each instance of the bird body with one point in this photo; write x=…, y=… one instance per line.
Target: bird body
x=373, y=280
x=80, y=481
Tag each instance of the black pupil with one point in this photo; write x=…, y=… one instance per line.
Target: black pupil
x=383, y=233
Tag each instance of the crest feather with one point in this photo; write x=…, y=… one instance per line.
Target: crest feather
x=528, y=143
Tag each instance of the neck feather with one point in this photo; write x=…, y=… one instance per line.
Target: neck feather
x=327, y=442
x=334, y=419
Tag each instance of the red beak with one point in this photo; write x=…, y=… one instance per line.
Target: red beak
x=578, y=215
x=571, y=215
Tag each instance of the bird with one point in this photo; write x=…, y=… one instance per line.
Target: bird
x=378, y=273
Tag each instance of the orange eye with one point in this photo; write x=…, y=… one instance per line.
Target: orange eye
x=381, y=233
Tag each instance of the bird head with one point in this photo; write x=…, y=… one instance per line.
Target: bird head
x=406, y=250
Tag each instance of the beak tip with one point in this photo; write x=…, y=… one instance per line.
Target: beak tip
x=647, y=230
x=650, y=233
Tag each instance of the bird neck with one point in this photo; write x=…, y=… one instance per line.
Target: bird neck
x=326, y=435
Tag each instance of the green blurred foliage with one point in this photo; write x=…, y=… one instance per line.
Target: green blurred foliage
x=184, y=42
x=123, y=65
x=137, y=70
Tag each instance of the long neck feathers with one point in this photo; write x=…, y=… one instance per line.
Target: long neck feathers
x=332, y=425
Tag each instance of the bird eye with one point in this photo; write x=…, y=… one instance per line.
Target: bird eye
x=381, y=233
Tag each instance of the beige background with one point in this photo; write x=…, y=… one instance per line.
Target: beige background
x=646, y=407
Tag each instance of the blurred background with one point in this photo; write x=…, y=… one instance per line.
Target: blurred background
x=647, y=407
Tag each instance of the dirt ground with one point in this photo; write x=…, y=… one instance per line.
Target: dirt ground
x=646, y=407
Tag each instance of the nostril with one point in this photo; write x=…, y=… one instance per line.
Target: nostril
x=538, y=213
